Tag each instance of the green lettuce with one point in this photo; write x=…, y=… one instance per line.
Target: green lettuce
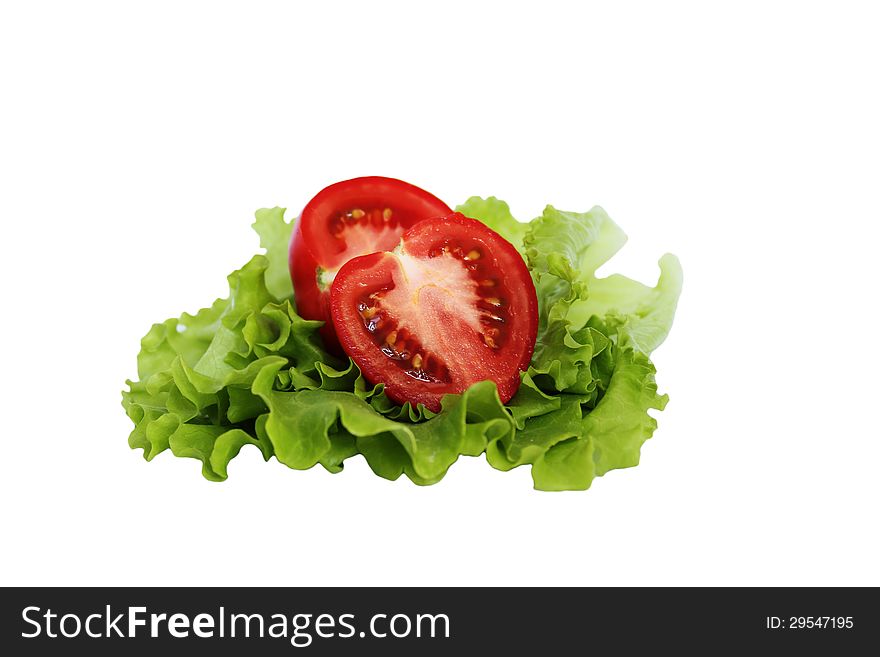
x=592, y=353
x=247, y=370
x=496, y=215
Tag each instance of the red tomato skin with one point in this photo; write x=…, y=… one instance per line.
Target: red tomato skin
x=310, y=239
x=311, y=302
x=366, y=273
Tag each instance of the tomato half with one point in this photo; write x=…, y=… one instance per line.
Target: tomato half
x=346, y=220
x=452, y=305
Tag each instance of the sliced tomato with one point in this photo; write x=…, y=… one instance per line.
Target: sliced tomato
x=452, y=305
x=346, y=220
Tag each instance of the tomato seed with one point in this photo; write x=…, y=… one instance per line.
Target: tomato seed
x=357, y=213
x=473, y=255
x=398, y=344
x=386, y=214
x=488, y=282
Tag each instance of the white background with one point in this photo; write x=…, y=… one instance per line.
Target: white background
x=137, y=140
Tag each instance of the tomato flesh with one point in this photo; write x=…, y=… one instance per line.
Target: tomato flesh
x=453, y=305
x=345, y=220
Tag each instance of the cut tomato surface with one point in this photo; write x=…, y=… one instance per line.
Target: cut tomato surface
x=345, y=220
x=453, y=304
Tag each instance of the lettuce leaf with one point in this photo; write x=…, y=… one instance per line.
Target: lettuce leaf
x=647, y=311
x=570, y=446
x=247, y=370
x=274, y=235
x=496, y=215
x=592, y=352
x=571, y=245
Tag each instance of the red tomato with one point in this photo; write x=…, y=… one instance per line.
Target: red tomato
x=454, y=305
x=346, y=220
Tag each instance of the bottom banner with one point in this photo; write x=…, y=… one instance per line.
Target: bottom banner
x=433, y=620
